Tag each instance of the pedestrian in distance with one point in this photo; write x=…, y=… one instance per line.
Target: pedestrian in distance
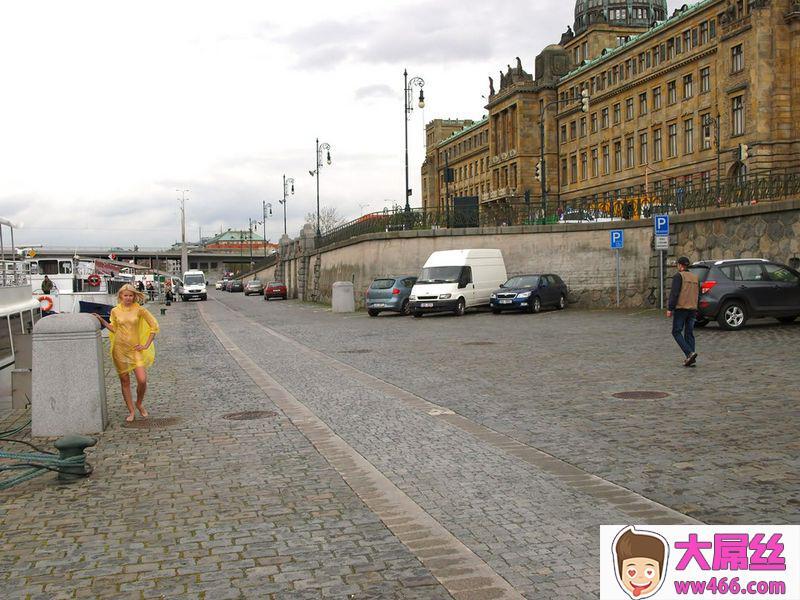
x=47, y=285
x=682, y=307
x=132, y=330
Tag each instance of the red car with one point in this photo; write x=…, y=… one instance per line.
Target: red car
x=274, y=289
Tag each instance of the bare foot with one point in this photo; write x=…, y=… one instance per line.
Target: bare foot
x=142, y=410
x=130, y=418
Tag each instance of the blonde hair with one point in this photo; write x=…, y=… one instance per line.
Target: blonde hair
x=137, y=295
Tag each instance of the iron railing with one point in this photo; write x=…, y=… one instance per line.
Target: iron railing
x=612, y=206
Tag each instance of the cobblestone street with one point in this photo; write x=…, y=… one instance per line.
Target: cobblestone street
x=441, y=457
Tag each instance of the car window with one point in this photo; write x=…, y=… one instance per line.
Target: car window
x=544, y=282
x=751, y=272
x=382, y=284
x=530, y=281
x=409, y=282
x=781, y=273
x=467, y=274
x=702, y=273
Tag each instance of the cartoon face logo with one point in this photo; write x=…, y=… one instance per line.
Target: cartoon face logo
x=640, y=558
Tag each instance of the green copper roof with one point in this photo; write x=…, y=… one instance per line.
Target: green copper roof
x=464, y=131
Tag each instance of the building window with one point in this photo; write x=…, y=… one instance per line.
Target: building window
x=672, y=92
x=688, y=92
x=564, y=170
x=705, y=80
x=572, y=130
x=705, y=124
x=643, y=148
x=687, y=40
x=688, y=136
x=629, y=109
x=618, y=156
x=594, y=122
x=737, y=114
x=705, y=180
x=737, y=59
x=584, y=165
x=630, y=152
x=606, y=161
x=595, y=172
x=617, y=113
x=688, y=183
x=643, y=103
x=657, y=98
x=604, y=118
x=583, y=127
x=672, y=148
x=704, y=32
x=657, y=149
x=564, y=133
x=573, y=160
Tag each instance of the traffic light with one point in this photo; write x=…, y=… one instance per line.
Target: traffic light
x=449, y=175
x=539, y=171
x=585, y=101
x=527, y=197
x=743, y=152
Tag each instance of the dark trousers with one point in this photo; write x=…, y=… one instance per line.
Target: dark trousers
x=683, y=321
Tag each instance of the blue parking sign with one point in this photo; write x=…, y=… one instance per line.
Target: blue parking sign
x=661, y=223
x=617, y=239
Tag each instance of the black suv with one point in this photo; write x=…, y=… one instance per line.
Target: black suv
x=735, y=291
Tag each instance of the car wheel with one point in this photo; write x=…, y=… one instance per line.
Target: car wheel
x=733, y=316
x=535, y=305
x=183, y=298
x=788, y=320
x=562, y=302
x=417, y=315
x=700, y=323
x=461, y=308
x=405, y=309
x=496, y=311
x=204, y=297
x=373, y=313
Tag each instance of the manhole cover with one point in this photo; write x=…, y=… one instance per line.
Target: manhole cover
x=250, y=415
x=153, y=423
x=479, y=343
x=359, y=351
x=640, y=395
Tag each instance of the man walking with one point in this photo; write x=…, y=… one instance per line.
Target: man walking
x=682, y=307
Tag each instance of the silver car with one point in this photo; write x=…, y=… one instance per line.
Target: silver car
x=254, y=287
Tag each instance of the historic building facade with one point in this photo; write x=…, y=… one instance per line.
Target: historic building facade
x=671, y=102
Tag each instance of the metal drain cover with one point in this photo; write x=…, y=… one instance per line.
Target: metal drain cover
x=641, y=395
x=478, y=343
x=153, y=423
x=250, y=415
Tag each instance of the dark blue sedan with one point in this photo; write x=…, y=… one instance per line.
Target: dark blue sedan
x=530, y=293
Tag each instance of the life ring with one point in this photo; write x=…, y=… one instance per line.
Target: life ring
x=94, y=280
x=48, y=303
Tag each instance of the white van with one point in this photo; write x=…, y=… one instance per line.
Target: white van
x=455, y=280
x=194, y=285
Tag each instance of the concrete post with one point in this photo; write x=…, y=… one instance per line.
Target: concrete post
x=343, y=297
x=307, y=245
x=69, y=390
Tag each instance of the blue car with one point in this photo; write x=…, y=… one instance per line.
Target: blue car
x=530, y=293
x=390, y=293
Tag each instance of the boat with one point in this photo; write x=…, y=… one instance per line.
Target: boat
x=19, y=312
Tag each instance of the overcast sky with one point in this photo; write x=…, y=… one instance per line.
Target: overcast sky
x=108, y=107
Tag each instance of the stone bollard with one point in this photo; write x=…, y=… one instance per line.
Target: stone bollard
x=71, y=446
x=343, y=298
x=69, y=389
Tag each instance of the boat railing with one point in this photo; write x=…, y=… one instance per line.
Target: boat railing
x=13, y=271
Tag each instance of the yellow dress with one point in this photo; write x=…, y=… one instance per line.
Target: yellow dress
x=132, y=326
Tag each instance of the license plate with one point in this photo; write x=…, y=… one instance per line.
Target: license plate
x=505, y=301
x=426, y=305
x=377, y=305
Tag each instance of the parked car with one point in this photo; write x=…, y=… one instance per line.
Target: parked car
x=454, y=280
x=390, y=293
x=220, y=285
x=236, y=286
x=583, y=216
x=228, y=285
x=275, y=289
x=734, y=291
x=254, y=287
x=530, y=293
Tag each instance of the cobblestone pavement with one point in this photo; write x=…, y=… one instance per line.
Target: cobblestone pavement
x=208, y=508
x=722, y=448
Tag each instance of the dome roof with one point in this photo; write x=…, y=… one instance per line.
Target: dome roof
x=633, y=13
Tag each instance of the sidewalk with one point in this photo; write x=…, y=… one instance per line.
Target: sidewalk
x=204, y=507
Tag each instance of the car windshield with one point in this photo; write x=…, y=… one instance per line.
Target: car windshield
x=526, y=281
x=440, y=275
x=275, y=284
x=194, y=280
x=382, y=284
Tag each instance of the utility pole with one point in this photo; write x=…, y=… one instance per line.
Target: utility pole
x=250, y=243
x=184, y=250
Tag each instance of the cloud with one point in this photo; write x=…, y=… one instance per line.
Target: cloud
x=377, y=91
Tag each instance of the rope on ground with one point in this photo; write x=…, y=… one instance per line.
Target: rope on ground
x=10, y=432
x=39, y=464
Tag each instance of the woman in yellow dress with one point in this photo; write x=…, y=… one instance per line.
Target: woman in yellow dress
x=132, y=330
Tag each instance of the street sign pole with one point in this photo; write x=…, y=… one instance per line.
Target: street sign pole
x=661, y=277
x=661, y=226
x=617, y=252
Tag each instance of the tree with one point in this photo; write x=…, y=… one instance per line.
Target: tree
x=329, y=218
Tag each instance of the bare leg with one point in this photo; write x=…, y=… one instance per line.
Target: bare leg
x=125, y=381
x=141, y=388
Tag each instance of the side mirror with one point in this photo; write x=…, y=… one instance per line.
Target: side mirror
x=502, y=285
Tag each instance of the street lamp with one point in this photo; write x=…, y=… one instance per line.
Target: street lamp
x=408, y=87
x=265, y=206
x=361, y=208
x=286, y=183
x=184, y=251
x=315, y=173
x=709, y=121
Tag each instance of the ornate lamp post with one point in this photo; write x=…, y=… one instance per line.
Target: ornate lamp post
x=408, y=87
x=709, y=122
x=266, y=211
x=287, y=182
x=315, y=173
